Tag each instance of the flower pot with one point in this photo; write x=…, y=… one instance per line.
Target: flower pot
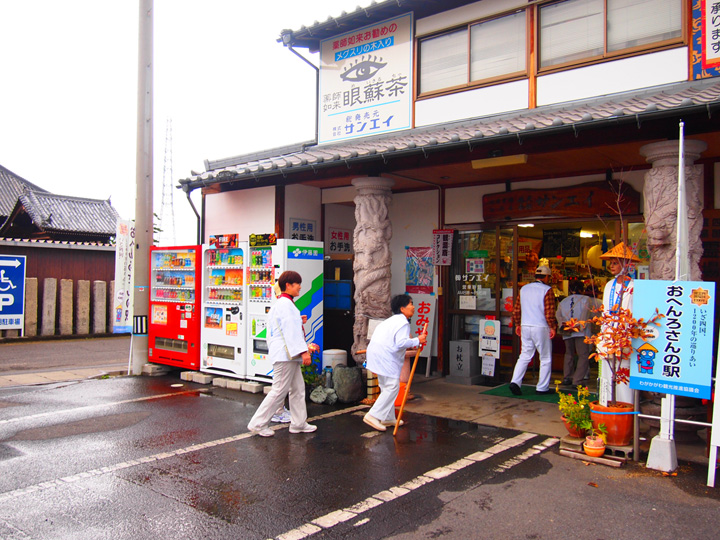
x=594, y=446
x=619, y=426
x=576, y=432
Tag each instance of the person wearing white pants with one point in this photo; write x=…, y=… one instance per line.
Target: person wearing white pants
x=287, y=350
x=385, y=358
x=535, y=323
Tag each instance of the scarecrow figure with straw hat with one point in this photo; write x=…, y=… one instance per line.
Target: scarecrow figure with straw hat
x=618, y=294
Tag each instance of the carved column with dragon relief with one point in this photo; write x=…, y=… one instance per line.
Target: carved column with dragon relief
x=371, y=242
x=660, y=206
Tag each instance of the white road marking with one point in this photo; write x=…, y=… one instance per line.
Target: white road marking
x=346, y=514
x=328, y=520
x=149, y=459
x=100, y=405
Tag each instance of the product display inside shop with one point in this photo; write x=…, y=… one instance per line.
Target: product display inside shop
x=490, y=266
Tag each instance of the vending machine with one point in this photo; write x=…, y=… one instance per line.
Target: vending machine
x=223, y=333
x=174, y=325
x=265, y=265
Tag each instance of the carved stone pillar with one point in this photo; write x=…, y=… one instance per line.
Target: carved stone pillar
x=660, y=194
x=371, y=241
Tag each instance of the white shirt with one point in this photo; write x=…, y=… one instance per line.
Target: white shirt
x=577, y=306
x=285, y=329
x=386, y=350
x=532, y=304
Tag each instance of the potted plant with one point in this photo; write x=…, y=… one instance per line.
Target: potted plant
x=575, y=411
x=594, y=444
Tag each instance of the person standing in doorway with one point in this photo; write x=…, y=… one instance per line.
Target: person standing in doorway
x=385, y=357
x=576, y=306
x=535, y=323
x=287, y=350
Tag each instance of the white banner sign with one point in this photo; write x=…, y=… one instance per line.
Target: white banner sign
x=339, y=241
x=366, y=81
x=124, y=277
x=442, y=247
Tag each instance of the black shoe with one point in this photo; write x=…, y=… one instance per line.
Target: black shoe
x=566, y=382
x=545, y=392
x=515, y=389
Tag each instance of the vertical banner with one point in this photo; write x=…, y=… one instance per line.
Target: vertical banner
x=12, y=292
x=424, y=313
x=678, y=358
x=705, y=42
x=366, y=81
x=419, y=271
x=124, y=272
x=442, y=247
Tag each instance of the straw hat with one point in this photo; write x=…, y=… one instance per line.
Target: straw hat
x=621, y=251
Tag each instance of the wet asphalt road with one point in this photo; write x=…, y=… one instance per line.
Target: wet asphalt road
x=155, y=458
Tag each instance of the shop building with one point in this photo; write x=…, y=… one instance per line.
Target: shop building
x=542, y=129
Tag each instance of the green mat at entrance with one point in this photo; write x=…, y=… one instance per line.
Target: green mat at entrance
x=528, y=392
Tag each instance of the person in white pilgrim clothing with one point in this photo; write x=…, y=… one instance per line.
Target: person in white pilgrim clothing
x=287, y=350
x=385, y=358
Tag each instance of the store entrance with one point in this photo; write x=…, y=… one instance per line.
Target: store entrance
x=492, y=263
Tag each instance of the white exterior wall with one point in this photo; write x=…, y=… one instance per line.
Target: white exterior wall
x=643, y=71
x=472, y=103
x=303, y=202
x=245, y=212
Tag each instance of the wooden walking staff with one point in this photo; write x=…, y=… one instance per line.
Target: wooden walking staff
x=407, y=386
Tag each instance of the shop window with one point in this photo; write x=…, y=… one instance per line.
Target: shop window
x=497, y=47
x=576, y=30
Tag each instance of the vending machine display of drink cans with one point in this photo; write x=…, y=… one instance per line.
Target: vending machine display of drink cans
x=224, y=314
x=174, y=326
x=265, y=265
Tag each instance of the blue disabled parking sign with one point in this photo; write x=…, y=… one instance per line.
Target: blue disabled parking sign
x=12, y=292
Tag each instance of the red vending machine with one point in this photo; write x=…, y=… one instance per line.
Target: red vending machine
x=174, y=329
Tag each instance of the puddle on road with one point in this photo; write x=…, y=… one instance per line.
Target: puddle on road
x=81, y=427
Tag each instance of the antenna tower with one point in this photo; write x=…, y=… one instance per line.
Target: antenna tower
x=167, y=210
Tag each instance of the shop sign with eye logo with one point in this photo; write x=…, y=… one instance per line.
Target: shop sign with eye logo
x=366, y=81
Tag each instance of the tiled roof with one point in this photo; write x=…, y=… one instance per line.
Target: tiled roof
x=11, y=186
x=60, y=213
x=630, y=107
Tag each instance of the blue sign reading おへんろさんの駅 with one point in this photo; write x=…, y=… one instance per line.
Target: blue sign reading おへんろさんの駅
x=678, y=359
x=12, y=292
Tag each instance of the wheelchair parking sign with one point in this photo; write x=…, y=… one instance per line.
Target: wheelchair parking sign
x=12, y=292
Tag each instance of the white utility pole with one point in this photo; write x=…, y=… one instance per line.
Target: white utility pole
x=144, y=188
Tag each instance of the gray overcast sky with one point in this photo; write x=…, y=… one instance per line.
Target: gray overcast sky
x=68, y=98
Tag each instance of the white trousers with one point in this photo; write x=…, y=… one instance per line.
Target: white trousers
x=287, y=379
x=384, y=407
x=534, y=338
